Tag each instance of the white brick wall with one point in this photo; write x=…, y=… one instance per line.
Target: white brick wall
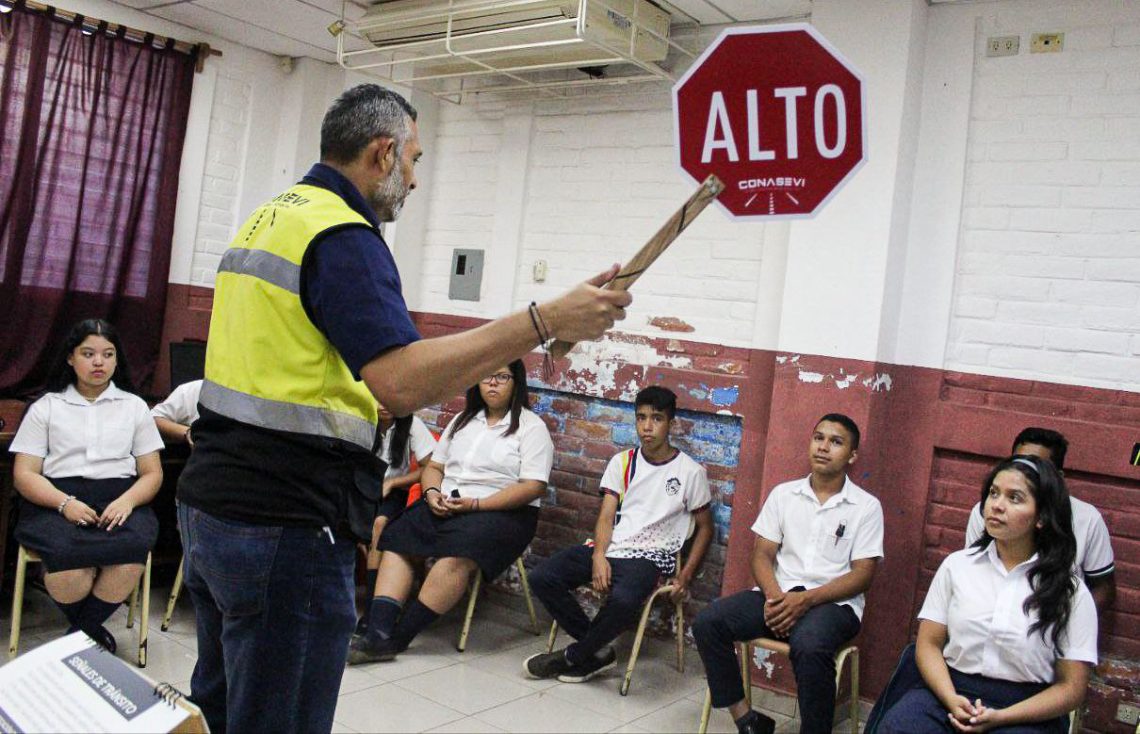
x=601, y=178
x=1048, y=275
x=218, y=215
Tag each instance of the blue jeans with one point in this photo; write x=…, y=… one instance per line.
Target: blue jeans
x=815, y=638
x=275, y=613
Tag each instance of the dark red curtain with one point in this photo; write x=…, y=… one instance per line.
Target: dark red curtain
x=91, y=133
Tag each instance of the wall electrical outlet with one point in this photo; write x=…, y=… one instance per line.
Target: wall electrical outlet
x=1128, y=714
x=1046, y=43
x=1003, y=45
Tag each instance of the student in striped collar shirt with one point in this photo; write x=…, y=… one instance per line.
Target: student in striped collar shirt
x=649, y=497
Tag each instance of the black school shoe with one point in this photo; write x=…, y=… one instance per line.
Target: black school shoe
x=593, y=666
x=102, y=637
x=361, y=652
x=755, y=722
x=546, y=664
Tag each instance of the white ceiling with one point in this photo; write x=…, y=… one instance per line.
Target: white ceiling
x=298, y=27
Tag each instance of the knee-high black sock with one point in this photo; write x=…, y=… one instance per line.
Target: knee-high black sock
x=91, y=618
x=71, y=611
x=382, y=616
x=95, y=612
x=370, y=580
x=416, y=617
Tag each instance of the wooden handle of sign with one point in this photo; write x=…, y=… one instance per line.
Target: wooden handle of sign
x=656, y=245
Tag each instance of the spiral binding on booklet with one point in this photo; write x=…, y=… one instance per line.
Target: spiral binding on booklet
x=169, y=694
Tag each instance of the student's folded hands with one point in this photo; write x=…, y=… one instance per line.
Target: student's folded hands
x=436, y=503
x=116, y=514
x=781, y=614
x=976, y=717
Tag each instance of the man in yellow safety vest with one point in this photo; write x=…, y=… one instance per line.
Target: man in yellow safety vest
x=309, y=329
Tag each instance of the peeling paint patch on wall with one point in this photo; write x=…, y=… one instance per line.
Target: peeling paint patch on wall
x=670, y=323
x=761, y=658
x=724, y=396
x=602, y=368
x=880, y=381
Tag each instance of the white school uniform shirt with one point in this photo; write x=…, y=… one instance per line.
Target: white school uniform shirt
x=980, y=603
x=181, y=406
x=1094, y=550
x=813, y=550
x=98, y=440
x=420, y=443
x=479, y=460
x=658, y=506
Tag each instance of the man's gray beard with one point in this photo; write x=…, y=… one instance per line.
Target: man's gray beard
x=388, y=198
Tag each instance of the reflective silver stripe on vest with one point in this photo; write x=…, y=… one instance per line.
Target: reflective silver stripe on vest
x=281, y=416
x=263, y=265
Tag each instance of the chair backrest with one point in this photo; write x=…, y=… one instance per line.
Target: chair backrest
x=187, y=362
x=11, y=411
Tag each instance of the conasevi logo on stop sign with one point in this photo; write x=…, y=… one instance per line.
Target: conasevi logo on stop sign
x=776, y=113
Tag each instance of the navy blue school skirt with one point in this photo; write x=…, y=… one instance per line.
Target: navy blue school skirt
x=907, y=706
x=492, y=539
x=63, y=545
x=393, y=505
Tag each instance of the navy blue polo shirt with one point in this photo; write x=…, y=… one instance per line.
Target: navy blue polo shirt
x=351, y=291
x=349, y=283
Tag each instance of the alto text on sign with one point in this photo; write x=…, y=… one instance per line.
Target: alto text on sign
x=777, y=114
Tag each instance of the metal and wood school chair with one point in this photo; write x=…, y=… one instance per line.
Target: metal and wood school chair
x=678, y=621
x=174, y=592
x=25, y=556
x=476, y=585
x=850, y=652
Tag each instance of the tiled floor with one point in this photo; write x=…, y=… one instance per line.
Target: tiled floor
x=432, y=687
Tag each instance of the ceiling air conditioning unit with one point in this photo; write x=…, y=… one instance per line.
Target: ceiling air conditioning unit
x=463, y=37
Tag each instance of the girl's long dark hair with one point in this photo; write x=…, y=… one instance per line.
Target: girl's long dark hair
x=1051, y=578
x=401, y=437
x=61, y=374
x=520, y=398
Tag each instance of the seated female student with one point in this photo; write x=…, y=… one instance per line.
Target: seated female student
x=86, y=466
x=400, y=439
x=482, y=490
x=1008, y=633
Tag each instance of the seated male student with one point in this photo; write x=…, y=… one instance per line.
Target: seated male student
x=1095, y=559
x=819, y=540
x=650, y=495
x=177, y=413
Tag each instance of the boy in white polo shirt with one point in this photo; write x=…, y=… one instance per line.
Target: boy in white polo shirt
x=177, y=413
x=650, y=495
x=819, y=540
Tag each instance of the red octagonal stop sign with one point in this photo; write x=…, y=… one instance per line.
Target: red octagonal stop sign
x=775, y=112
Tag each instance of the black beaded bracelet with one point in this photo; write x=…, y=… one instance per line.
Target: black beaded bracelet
x=544, y=339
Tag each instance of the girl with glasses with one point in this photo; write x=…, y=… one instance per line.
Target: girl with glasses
x=479, y=512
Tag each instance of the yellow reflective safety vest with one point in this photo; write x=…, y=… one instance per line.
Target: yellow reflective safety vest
x=266, y=364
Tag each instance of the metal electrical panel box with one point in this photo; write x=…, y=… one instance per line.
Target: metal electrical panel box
x=466, y=275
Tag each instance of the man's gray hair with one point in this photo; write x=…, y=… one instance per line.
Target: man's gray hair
x=359, y=116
